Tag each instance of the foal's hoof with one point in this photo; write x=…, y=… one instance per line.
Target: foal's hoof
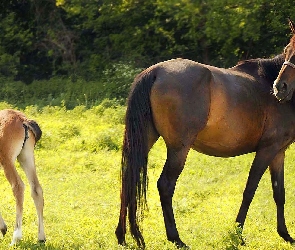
x=4, y=230
x=42, y=241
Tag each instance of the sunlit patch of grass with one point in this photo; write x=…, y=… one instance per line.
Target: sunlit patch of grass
x=78, y=164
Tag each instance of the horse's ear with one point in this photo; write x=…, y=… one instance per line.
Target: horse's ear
x=292, y=26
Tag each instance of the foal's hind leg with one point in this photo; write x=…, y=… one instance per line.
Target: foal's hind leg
x=3, y=226
x=27, y=161
x=166, y=186
x=18, y=192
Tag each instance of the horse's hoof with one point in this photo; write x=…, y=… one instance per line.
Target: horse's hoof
x=243, y=243
x=4, y=230
x=286, y=236
x=183, y=246
x=121, y=241
x=42, y=241
x=120, y=234
x=180, y=245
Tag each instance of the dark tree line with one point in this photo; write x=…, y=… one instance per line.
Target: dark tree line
x=40, y=39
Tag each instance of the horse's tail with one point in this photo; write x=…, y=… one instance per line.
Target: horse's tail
x=35, y=128
x=135, y=154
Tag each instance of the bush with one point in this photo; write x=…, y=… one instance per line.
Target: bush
x=114, y=83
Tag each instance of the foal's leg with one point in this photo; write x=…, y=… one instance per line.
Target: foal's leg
x=3, y=226
x=261, y=161
x=166, y=186
x=27, y=161
x=18, y=192
x=277, y=179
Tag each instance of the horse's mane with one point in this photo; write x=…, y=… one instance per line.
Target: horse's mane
x=267, y=69
x=270, y=68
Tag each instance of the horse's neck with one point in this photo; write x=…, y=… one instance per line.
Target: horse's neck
x=250, y=67
x=264, y=70
x=270, y=68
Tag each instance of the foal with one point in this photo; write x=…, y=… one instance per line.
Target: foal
x=18, y=137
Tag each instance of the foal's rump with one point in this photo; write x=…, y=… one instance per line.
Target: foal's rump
x=15, y=130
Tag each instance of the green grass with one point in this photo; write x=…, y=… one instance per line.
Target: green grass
x=78, y=164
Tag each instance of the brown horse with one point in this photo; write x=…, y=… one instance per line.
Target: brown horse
x=284, y=85
x=215, y=111
x=18, y=137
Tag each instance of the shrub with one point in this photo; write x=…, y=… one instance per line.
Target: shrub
x=114, y=83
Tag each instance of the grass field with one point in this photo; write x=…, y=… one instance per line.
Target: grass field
x=78, y=164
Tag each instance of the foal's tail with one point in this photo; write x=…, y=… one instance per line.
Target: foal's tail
x=134, y=155
x=34, y=127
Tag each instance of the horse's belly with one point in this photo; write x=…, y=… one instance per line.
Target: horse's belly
x=235, y=122
x=221, y=149
x=227, y=141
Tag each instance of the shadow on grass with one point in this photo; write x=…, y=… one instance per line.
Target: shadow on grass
x=234, y=240
x=29, y=244
x=33, y=245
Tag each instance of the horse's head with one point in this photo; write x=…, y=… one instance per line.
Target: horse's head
x=284, y=85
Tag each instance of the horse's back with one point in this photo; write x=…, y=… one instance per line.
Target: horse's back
x=217, y=111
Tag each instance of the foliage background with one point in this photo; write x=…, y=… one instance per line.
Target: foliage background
x=40, y=39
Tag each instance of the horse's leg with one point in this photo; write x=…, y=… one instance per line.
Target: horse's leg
x=261, y=161
x=27, y=161
x=3, y=226
x=166, y=186
x=18, y=192
x=277, y=179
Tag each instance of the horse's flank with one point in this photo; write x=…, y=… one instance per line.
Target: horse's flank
x=212, y=107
